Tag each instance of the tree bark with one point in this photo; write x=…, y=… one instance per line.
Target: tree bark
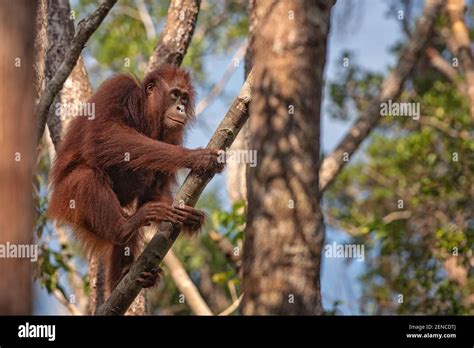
x=56, y=28
x=170, y=49
x=86, y=28
x=17, y=151
x=76, y=88
x=55, y=31
x=446, y=69
x=177, y=34
x=186, y=285
x=285, y=230
x=462, y=44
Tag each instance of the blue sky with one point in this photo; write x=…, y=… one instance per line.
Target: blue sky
x=369, y=31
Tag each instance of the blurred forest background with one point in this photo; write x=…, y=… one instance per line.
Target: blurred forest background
x=421, y=249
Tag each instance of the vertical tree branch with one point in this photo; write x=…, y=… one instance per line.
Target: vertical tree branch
x=237, y=172
x=462, y=46
x=86, y=28
x=76, y=89
x=55, y=31
x=145, y=17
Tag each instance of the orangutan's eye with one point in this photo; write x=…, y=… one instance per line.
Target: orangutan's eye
x=174, y=94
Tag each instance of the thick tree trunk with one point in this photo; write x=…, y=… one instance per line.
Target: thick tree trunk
x=285, y=230
x=17, y=151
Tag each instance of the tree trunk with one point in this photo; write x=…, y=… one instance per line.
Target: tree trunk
x=237, y=171
x=462, y=44
x=17, y=152
x=285, y=230
x=77, y=88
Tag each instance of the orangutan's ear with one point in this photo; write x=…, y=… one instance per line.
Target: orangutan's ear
x=149, y=88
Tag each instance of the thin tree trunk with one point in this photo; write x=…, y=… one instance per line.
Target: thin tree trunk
x=55, y=31
x=85, y=29
x=237, y=171
x=186, y=285
x=17, y=151
x=285, y=230
x=77, y=88
x=171, y=48
x=462, y=44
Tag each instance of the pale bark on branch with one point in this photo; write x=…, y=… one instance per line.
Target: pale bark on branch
x=177, y=34
x=86, y=28
x=229, y=310
x=237, y=172
x=145, y=18
x=72, y=309
x=160, y=244
x=462, y=46
x=391, y=89
x=446, y=69
x=185, y=285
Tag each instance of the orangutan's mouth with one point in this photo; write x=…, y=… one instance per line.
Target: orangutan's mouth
x=177, y=121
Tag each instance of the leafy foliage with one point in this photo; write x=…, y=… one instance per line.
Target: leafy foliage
x=212, y=273
x=410, y=199
x=122, y=44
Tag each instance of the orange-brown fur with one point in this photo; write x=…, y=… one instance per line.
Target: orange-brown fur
x=91, y=170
